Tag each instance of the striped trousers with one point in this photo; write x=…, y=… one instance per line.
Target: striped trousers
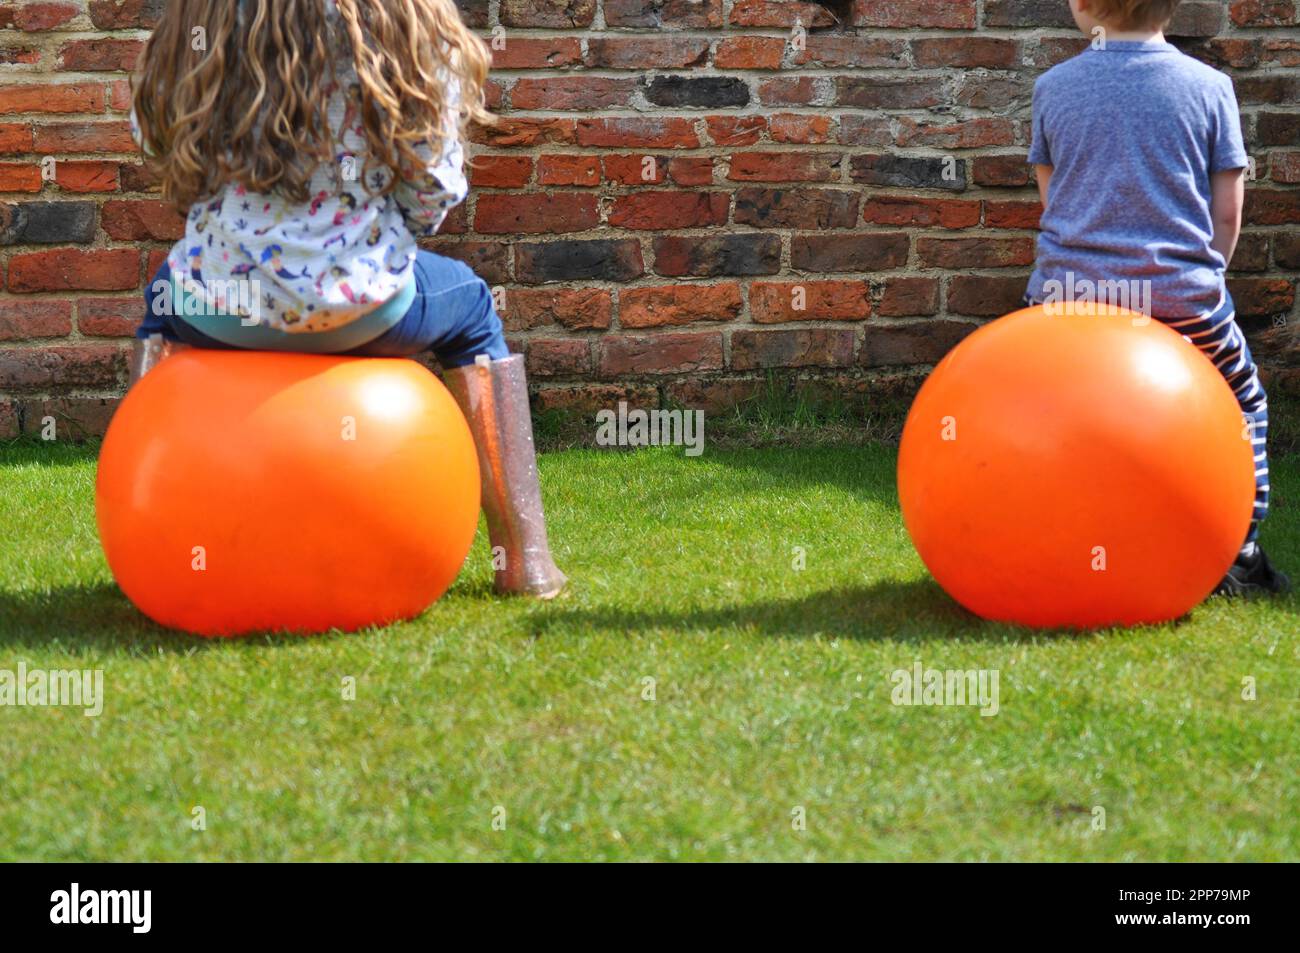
x=1219, y=338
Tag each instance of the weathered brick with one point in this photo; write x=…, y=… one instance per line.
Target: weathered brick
x=873, y=92
x=963, y=134
x=47, y=223
x=498, y=213
x=1012, y=214
x=1001, y=170
x=566, y=169
x=664, y=14
x=777, y=302
x=709, y=256
x=1027, y=13
x=68, y=269
x=138, y=220
x=20, y=320
x=1266, y=13
x=596, y=260
x=101, y=54
x=592, y=397
x=501, y=172
x=921, y=342
x=578, y=309
x=551, y=52
x=918, y=172
x=962, y=253
x=647, y=52
x=796, y=127
x=489, y=260
x=60, y=369
x=1277, y=129
x=84, y=137
x=796, y=208
x=907, y=296
x=780, y=13
x=784, y=167
x=949, y=14
x=558, y=357
x=872, y=251
x=548, y=14
x=708, y=92
x=1262, y=296
x=109, y=317
x=966, y=51
x=670, y=353
x=795, y=347
x=645, y=132
x=52, y=98
x=985, y=296
x=1272, y=207
x=735, y=130
x=678, y=304
x=750, y=52
x=572, y=93
x=908, y=210
x=73, y=418
x=847, y=51
x=74, y=175
x=662, y=210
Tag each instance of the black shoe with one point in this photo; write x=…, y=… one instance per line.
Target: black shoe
x=1253, y=576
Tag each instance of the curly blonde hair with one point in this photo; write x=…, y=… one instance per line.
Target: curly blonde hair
x=248, y=105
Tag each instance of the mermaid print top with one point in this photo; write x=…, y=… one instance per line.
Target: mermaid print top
x=324, y=263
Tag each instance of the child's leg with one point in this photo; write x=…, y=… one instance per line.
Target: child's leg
x=1219, y=337
x=453, y=315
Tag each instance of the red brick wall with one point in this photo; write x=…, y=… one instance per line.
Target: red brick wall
x=669, y=175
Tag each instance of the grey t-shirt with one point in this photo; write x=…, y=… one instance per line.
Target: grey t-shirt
x=1134, y=132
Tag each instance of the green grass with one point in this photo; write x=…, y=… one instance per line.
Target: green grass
x=772, y=693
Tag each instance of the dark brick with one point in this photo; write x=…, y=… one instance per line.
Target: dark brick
x=923, y=172
x=1028, y=13
x=923, y=342
x=869, y=92
x=984, y=296
x=799, y=347
x=708, y=92
x=600, y=260
x=796, y=208
x=47, y=223
x=708, y=256
x=834, y=253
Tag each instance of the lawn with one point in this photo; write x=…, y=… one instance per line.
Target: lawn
x=491, y=729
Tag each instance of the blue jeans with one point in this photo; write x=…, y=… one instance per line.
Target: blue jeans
x=452, y=315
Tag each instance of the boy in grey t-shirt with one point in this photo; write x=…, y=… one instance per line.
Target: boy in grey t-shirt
x=1139, y=157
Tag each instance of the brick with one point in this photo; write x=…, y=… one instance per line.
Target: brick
x=47, y=223
x=579, y=309
x=907, y=210
x=985, y=296
x=691, y=170
x=126, y=14
x=593, y=397
x=865, y=131
x=961, y=253
x=664, y=14
x=84, y=137
x=780, y=13
x=489, y=260
x=735, y=130
x=853, y=52
x=138, y=220
x=711, y=395
x=501, y=172
x=14, y=138
x=73, y=175
x=993, y=93
x=136, y=177
x=551, y=52
x=520, y=131
x=55, y=369
x=635, y=169
x=558, y=357
x=1012, y=214
x=1251, y=253
x=964, y=134
x=749, y=52
x=908, y=296
x=38, y=17
x=1272, y=207
x=873, y=251
x=670, y=353
x=1255, y=297
x=1001, y=170
x=1027, y=13
x=1272, y=89
x=596, y=260
x=1048, y=51
x=710, y=256
x=784, y=167
x=101, y=54
x=796, y=208
x=779, y=302
x=565, y=169
x=799, y=91
x=109, y=317
x=1284, y=167
x=1282, y=52
x=1199, y=18
x=647, y=52
x=497, y=214
x=946, y=14
x=9, y=423
x=74, y=418
x=796, y=127
x=20, y=177
x=661, y=210
x=572, y=93
x=1265, y=13
x=52, y=98
x=966, y=52
x=922, y=342
x=795, y=347
x=708, y=92
x=1277, y=129
x=919, y=172
x=872, y=92
x=1286, y=250
x=636, y=131
x=68, y=269
x=678, y=304
x=20, y=320
x=548, y=14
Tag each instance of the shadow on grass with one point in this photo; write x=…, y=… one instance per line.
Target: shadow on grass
x=912, y=611
x=100, y=618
